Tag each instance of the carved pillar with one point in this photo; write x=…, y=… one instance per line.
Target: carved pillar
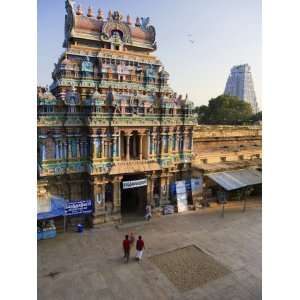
x=78, y=147
x=69, y=147
x=170, y=142
x=141, y=146
x=191, y=140
x=114, y=146
x=117, y=198
x=56, y=148
x=149, y=190
x=134, y=146
x=64, y=149
x=162, y=143
x=98, y=195
x=94, y=147
x=81, y=149
x=153, y=144
x=185, y=140
x=181, y=142
x=104, y=147
x=117, y=146
x=120, y=145
x=42, y=151
x=176, y=142
x=127, y=147
x=149, y=150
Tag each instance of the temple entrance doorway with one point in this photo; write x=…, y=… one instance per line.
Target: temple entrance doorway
x=133, y=197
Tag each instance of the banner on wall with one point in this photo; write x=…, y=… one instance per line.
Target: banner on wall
x=134, y=183
x=196, y=185
x=180, y=187
x=182, y=204
x=78, y=207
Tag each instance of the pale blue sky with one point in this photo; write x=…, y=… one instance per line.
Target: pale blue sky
x=225, y=33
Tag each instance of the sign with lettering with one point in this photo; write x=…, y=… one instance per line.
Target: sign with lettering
x=78, y=207
x=134, y=183
x=182, y=204
x=180, y=187
x=196, y=184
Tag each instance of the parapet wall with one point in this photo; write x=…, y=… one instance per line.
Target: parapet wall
x=215, y=143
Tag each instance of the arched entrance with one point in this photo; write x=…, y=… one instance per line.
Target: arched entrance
x=133, y=195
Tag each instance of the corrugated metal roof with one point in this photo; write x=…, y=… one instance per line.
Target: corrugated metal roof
x=236, y=179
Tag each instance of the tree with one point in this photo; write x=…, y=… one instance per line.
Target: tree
x=201, y=111
x=224, y=109
x=256, y=118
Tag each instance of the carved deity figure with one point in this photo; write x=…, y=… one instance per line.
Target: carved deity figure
x=145, y=22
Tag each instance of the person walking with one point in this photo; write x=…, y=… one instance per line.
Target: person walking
x=140, y=246
x=126, y=248
x=148, y=215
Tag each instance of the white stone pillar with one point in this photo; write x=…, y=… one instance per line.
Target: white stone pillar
x=127, y=147
x=141, y=147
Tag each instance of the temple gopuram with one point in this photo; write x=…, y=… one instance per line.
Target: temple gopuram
x=110, y=128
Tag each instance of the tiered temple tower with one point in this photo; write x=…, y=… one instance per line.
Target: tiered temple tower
x=240, y=84
x=111, y=117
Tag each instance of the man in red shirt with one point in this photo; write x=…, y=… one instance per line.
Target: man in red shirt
x=126, y=247
x=140, y=246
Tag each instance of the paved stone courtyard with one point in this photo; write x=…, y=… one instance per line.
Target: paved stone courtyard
x=90, y=265
x=189, y=267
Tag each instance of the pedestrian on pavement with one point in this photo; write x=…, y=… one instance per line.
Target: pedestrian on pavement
x=140, y=246
x=131, y=239
x=126, y=248
x=148, y=215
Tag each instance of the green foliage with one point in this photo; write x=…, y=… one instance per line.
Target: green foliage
x=256, y=117
x=227, y=110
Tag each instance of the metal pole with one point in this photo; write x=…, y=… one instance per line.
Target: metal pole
x=223, y=210
x=244, y=208
x=64, y=217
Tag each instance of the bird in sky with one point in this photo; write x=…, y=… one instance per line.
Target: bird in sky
x=191, y=41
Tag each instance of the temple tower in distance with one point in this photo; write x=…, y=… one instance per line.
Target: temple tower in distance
x=240, y=84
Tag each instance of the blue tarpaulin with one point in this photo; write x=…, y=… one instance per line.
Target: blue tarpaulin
x=57, y=209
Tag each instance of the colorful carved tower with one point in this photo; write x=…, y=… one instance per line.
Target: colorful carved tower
x=110, y=116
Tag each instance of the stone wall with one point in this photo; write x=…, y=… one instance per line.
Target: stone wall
x=216, y=143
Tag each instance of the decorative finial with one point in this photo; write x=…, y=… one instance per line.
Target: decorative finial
x=137, y=22
x=90, y=12
x=79, y=10
x=128, y=20
x=109, y=15
x=100, y=14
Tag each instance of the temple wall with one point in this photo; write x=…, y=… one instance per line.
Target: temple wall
x=215, y=143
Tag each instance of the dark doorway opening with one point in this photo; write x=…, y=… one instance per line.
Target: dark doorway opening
x=133, y=200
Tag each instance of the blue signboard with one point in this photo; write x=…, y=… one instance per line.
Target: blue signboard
x=188, y=185
x=180, y=187
x=173, y=189
x=196, y=184
x=78, y=207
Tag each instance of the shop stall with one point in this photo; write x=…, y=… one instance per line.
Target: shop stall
x=46, y=220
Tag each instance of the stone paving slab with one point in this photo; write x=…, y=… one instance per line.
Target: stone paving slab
x=90, y=265
x=189, y=267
